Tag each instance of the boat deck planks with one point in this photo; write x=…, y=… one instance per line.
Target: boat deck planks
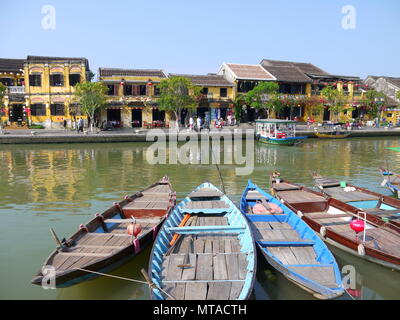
x=300, y=196
x=322, y=275
x=341, y=195
x=283, y=186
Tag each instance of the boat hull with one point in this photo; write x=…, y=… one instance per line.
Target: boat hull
x=331, y=136
x=282, y=141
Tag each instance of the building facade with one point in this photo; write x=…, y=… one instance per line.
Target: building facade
x=49, y=89
x=132, y=98
x=390, y=86
x=216, y=100
x=12, y=77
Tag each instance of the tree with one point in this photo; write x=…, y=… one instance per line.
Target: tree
x=91, y=97
x=238, y=103
x=336, y=100
x=265, y=97
x=176, y=94
x=3, y=89
x=375, y=100
x=315, y=105
x=398, y=95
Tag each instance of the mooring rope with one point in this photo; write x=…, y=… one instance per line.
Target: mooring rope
x=126, y=279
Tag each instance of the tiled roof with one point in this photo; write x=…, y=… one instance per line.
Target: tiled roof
x=109, y=72
x=250, y=71
x=210, y=80
x=11, y=65
x=288, y=74
x=45, y=59
x=394, y=81
x=288, y=71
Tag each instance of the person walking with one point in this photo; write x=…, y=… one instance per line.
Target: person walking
x=199, y=124
x=191, y=123
x=80, y=125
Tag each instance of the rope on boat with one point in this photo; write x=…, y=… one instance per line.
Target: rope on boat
x=348, y=293
x=216, y=164
x=126, y=279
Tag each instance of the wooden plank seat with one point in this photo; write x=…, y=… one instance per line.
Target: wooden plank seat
x=206, y=229
x=149, y=205
x=208, y=204
x=341, y=195
x=205, y=193
x=283, y=186
x=300, y=196
x=327, y=215
x=254, y=195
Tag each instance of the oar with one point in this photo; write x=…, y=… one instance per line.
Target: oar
x=56, y=239
x=177, y=238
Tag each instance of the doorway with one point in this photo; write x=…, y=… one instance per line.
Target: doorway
x=16, y=112
x=327, y=114
x=136, y=118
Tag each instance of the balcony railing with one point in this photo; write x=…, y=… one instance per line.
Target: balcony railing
x=16, y=89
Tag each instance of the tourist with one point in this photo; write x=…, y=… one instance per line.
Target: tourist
x=191, y=123
x=199, y=124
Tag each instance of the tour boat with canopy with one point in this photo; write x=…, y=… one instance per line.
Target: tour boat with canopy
x=276, y=131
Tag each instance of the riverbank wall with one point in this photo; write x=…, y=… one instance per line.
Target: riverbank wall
x=44, y=137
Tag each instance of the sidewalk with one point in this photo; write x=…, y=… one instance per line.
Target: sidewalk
x=27, y=136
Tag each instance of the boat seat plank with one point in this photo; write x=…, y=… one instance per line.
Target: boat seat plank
x=254, y=195
x=341, y=195
x=283, y=186
x=205, y=193
x=227, y=245
x=219, y=290
x=196, y=291
x=300, y=196
x=206, y=205
x=84, y=254
x=328, y=216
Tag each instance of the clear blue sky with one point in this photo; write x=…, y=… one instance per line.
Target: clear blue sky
x=197, y=36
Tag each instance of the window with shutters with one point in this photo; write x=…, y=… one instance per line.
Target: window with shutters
x=57, y=109
x=38, y=109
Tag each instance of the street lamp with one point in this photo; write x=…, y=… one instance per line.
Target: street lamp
x=379, y=101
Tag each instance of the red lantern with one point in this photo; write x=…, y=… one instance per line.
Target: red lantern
x=150, y=83
x=122, y=83
x=357, y=225
x=366, y=85
x=134, y=229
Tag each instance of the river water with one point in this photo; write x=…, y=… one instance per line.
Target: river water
x=61, y=186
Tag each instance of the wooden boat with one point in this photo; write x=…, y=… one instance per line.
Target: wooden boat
x=331, y=219
x=103, y=243
x=391, y=180
x=291, y=246
x=276, y=131
x=212, y=255
x=378, y=205
x=332, y=135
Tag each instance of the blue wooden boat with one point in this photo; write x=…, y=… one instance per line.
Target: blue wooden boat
x=205, y=250
x=291, y=246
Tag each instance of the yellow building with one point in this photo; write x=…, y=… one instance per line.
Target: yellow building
x=12, y=77
x=217, y=97
x=132, y=98
x=49, y=89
